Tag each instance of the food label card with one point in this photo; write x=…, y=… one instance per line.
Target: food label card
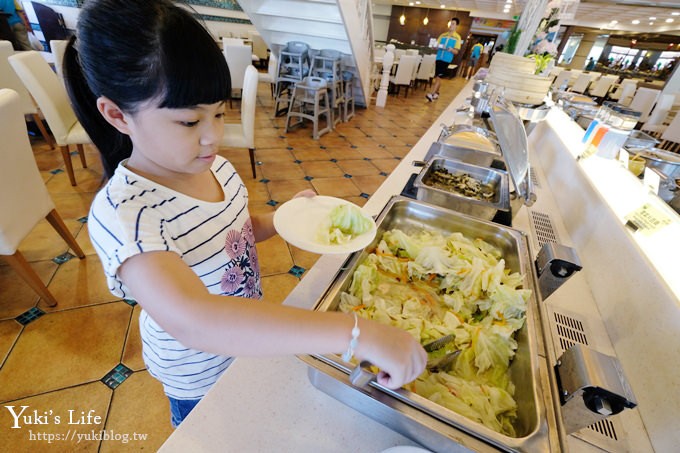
x=647, y=219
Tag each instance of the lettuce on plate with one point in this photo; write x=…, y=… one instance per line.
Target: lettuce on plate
x=344, y=222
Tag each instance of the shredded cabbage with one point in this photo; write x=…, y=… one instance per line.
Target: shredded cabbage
x=433, y=285
x=344, y=223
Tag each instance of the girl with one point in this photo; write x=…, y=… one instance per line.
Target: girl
x=171, y=226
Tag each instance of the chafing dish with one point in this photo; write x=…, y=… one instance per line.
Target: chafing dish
x=430, y=424
x=465, y=154
x=638, y=141
x=448, y=198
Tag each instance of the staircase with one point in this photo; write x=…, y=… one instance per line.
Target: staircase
x=343, y=25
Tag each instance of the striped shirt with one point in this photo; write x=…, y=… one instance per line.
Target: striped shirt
x=133, y=215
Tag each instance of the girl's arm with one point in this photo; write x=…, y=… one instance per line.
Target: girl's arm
x=263, y=224
x=232, y=326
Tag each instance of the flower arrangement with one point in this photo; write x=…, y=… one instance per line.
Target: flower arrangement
x=544, y=50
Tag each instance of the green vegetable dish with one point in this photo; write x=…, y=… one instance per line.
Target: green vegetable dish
x=431, y=285
x=344, y=223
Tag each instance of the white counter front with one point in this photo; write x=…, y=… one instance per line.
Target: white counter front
x=262, y=405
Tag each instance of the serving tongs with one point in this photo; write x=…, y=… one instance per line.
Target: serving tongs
x=445, y=362
x=361, y=376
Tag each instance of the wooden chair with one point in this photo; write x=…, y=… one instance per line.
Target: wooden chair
x=50, y=94
x=24, y=200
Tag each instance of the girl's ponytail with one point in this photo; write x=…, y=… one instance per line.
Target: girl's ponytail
x=113, y=146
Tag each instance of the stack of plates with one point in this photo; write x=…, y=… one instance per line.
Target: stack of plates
x=516, y=75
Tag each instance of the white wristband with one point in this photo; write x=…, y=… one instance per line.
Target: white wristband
x=347, y=356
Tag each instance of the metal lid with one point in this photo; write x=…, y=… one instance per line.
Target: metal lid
x=514, y=145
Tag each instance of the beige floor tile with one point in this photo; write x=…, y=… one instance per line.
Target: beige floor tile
x=132, y=351
x=257, y=208
x=44, y=243
x=65, y=348
x=275, y=155
x=73, y=205
x=69, y=405
x=283, y=191
x=282, y=170
x=375, y=152
x=312, y=153
x=83, y=240
x=358, y=167
x=89, y=180
x=303, y=258
x=15, y=295
x=349, y=131
x=335, y=187
x=48, y=159
x=364, y=141
x=321, y=169
x=78, y=283
x=274, y=256
x=376, y=132
x=277, y=287
x=345, y=153
x=140, y=407
x=257, y=191
x=386, y=165
x=9, y=332
x=368, y=184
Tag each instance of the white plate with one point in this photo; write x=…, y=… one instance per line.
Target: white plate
x=298, y=221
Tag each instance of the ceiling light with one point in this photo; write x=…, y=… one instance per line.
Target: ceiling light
x=652, y=18
x=508, y=1
x=411, y=3
x=442, y=6
x=635, y=22
x=651, y=23
x=417, y=3
x=614, y=22
x=675, y=14
x=669, y=20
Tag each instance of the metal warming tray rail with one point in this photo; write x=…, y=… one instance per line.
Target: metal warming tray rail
x=426, y=422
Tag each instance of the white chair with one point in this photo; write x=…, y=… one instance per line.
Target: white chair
x=238, y=58
x=228, y=41
x=404, y=73
x=655, y=122
x=625, y=91
x=601, y=87
x=426, y=68
x=58, y=48
x=9, y=79
x=573, y=76
x=24, y=200
x=643, y=101
x=581, y=83
x=270, y=76
x=259, y=47
x=672, y=132
x=398, y=53
x=412, y=52
x=242, y=135
x=50, y=94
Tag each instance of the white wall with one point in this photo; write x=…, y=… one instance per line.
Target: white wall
x=381, y=21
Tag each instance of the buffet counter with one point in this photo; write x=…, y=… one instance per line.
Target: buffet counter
x=627, y=308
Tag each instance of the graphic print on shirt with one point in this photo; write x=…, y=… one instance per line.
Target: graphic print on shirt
x=242, y=274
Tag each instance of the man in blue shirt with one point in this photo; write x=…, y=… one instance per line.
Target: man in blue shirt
x=16, y=24
x=448, y=45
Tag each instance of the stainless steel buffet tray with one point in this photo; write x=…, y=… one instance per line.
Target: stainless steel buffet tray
x=483, y=209
x=424, y=421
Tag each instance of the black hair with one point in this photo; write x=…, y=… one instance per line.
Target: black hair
x=455, y=19
x=134, y=52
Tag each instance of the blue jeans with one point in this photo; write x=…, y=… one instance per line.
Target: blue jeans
x=179, y=409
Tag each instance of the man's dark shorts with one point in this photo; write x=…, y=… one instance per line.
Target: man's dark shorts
x=440, y=68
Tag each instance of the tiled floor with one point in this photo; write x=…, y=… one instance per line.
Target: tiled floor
x=83, y=357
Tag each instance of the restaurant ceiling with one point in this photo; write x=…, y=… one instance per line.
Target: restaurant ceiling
x=653, y=16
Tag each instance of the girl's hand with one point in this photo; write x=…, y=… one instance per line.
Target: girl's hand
x=309, y=193
x=399, y=356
